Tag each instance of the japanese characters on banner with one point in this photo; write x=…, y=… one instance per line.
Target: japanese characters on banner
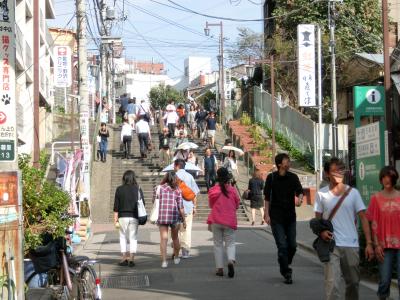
x=84, y=128
x=8, y=130
x=63, y=69
x=306, y=64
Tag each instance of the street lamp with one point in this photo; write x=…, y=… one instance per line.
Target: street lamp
x=250, y=73
x=221, y=66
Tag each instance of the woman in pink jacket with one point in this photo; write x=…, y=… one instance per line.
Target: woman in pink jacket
x=223, y=200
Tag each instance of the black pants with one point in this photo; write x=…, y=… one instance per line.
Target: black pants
x=171, y=129
x=285, y=239
x=144, y=143
x=210, y=179
x=127, y=140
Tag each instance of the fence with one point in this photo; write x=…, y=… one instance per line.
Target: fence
x=301, y=131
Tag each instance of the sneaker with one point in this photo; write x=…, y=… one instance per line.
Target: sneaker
x=164, y=264
x=185, y=253
x=288, y=279
x=231, y=270
x=177, y=260
x=219, y=272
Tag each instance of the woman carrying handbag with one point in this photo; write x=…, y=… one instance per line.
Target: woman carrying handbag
x=126, y=216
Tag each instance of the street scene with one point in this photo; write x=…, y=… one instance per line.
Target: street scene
x=169, y=149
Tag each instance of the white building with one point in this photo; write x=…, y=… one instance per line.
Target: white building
x=195, y=66
x=25, y=75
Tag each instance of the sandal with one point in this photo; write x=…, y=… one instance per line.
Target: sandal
x=131, y=263
x=220, y=272
x=123, y=263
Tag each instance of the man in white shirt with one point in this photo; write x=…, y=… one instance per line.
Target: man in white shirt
x=171, y=118
x=344, y=261
x=143, y=109
x=144, y=135
x=185, y=233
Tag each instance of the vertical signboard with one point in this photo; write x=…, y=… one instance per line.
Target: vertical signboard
x=63, y=67
x=11, y=233
x=8, y=130
x=306, y=64
x=370, y=158
x=369, y=112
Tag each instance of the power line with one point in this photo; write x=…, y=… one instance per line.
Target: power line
x=188, y=10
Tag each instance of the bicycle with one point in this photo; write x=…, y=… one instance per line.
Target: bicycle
x=72, y=278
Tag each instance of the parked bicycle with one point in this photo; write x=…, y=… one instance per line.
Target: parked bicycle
x=69, y=277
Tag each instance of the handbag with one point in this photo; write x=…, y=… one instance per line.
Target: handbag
x=142, y=214
x=156, y=207
x=246, y=195
x=324, y=248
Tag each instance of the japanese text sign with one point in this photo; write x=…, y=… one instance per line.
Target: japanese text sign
x=306, y=64
x=63, y=69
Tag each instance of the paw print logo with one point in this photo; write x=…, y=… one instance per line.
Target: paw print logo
x=6, y=99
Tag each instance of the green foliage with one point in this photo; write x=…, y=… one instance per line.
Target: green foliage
x=206, y=98
x=43, y=203
x=285, y=144
x=60, y=109
x=358, y=29
x=161, y=94
x=245, y=119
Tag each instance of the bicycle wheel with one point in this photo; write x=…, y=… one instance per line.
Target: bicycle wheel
x=87, y=286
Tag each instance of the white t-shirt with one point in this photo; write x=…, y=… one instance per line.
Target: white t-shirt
x=344, y=221
x=142, y=127
x=171, y=117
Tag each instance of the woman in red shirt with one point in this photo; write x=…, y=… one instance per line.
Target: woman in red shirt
x=384, y=216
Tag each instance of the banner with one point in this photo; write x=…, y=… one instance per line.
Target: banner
x=8, y=128
x=63, y=67
x=306, y=65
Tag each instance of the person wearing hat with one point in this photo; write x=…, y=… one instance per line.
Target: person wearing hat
x=223, y=200
x=181, y=138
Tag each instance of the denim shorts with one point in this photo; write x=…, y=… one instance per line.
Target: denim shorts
x=172, y=226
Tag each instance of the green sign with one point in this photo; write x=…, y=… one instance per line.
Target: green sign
x=369, y=113
x=368, y=101
x=7, y=150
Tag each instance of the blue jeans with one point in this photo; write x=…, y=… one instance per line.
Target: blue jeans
x=285, y=239
x=386, y=270
x=103, y=148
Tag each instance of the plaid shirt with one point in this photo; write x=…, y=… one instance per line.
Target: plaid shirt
x=170, y=204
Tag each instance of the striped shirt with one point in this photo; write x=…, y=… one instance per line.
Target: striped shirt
x=170, y=204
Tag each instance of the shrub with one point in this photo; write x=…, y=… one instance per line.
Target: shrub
x=245, y=119
x=43, y=203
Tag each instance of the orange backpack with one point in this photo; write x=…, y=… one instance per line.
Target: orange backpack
x=187, y=193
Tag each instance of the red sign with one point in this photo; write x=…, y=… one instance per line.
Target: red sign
x=3, y=117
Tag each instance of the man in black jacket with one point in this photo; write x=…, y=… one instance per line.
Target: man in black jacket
x=165, y=154
x=280, y=190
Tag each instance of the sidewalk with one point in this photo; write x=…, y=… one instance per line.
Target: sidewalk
x=257, y=273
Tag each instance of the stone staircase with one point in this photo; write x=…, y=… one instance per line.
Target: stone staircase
x=148, y=175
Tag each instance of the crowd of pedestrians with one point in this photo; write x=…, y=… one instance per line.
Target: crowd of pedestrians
x=339, y=209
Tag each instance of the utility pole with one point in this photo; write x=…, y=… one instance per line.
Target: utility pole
x=332, y=48
x=387, y=79
x=82, y=56
x=273, y=106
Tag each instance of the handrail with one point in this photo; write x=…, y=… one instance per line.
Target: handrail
x=60, y=143
x=94, y=140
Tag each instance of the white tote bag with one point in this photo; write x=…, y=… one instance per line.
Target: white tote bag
x=156, y=207
x=142, y=214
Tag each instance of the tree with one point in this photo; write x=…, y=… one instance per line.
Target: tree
x=358, y=29
x=249, y=45
x=161, y=94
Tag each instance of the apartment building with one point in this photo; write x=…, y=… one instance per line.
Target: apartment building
x=25, y=75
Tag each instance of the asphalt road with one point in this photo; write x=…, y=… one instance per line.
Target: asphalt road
x=257, y=274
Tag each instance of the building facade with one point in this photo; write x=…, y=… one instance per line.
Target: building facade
x=25, y=75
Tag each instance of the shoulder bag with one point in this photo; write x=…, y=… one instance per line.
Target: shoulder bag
x=324, y=248
x=142, y=214
x=156, y=207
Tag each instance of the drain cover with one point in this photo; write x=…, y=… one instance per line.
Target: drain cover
x=129, y=282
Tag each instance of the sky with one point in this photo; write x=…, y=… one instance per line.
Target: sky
x=147, y=32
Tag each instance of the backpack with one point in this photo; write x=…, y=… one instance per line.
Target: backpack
x=187, y=193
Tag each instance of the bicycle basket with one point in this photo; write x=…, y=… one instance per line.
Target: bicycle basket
x=45, y=257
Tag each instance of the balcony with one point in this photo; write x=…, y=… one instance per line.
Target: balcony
x=28, y=9
x=19, y=48
x=28, y=63
x=50, y=10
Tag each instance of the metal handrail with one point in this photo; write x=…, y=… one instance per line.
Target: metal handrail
x=60, y=143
